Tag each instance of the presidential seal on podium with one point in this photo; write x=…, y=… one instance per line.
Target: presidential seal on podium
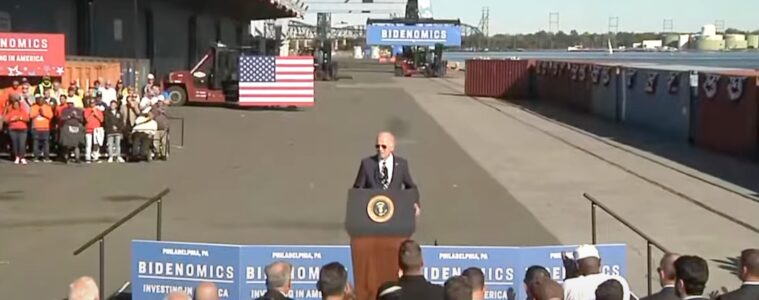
x=380, y=209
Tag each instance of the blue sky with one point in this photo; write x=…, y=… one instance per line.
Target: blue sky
x=510, y=16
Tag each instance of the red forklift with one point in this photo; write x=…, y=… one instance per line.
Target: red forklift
x=215, y=78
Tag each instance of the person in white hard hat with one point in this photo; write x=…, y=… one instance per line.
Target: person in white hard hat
x=588, y=263
x=149, y=86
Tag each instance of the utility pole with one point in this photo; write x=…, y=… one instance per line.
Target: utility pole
x=553, y=26
x=613, y=29
x=720, y=24
x=485, y=25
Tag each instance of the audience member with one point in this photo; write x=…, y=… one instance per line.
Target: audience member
x=457, y=288
x=532, y=274
x=477, y=281
x=114, y=129
x=333, y=282
x=588, y=262
x=206, y=291
x=17, y=118
x=414, y=285
x=41, y=115
x=94, y=137
x=110, y=94
x=666, y=278
x=545, y=288
x=390, y=291
x=177, y=296
x=691, y=275
x=609, y=290
x=72, y=131
x=278, y=281
x=84, y=288
x=749, y=274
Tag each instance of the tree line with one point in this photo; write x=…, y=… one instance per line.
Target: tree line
x=562, y=40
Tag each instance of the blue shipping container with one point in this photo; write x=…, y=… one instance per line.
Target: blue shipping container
x=605, y=92
x=657, y=100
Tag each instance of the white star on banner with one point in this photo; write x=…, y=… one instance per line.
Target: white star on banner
x=59, y=70
x=13, y=71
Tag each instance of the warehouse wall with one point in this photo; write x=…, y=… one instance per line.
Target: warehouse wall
x=28, y=16
x=114, y=32
x=173, y=34
x=171, y=26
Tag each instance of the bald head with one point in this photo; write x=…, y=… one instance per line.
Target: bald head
x=206, y=291
x=84, y=288
x=750, y=265
x=385, y=144
x=278, y=276
x=177, y=296
x=667, y=268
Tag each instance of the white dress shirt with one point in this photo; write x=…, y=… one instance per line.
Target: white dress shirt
x=584, y=287
x=389, y=163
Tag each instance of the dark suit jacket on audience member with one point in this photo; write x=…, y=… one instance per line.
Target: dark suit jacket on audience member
x=746, y=291
x=273, y=295
x=667, y=293
x=418, y=288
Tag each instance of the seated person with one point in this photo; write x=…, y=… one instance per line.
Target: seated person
x=142, y=136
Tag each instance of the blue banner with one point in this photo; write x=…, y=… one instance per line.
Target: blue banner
x=162, y=267
x=159, y=268
x=413, y=35
x=306, y=262
x=499, y=264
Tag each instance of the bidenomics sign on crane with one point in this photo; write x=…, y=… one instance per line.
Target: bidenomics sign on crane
x=413, y=35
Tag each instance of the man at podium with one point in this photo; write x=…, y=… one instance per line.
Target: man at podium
x=385, y=170
x=375, y=251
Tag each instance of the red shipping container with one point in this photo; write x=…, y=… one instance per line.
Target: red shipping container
x=727, y=113
x=497, y=78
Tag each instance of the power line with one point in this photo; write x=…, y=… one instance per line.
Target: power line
x=613, y=25
x=485, y=21
x=553, y=22
x=720, y=25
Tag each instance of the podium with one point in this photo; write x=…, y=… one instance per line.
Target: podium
x=378, y=221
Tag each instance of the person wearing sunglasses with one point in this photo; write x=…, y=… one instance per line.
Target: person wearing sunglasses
x=385, y=170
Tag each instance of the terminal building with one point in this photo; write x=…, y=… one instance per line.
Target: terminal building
x=172, y=34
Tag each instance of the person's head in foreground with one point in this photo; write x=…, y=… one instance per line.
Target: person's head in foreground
x=333, y=281
x=610, y=290
x=457, y=288
x=84, y=288
x=691, y=275
x=477, y=279
x=545, y=288
x=206, y=291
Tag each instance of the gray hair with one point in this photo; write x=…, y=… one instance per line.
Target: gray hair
x=278, y=274
x=84, y=288
x=177, y=295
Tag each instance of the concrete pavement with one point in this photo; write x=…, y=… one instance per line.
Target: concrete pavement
x=548, y=166
x=250, y=177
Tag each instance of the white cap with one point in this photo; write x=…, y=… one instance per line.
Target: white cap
x=585, y=251
x=150, y=76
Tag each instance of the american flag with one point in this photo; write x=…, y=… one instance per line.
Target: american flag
x=276, y=81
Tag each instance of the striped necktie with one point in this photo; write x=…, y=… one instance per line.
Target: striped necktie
x=385, y=176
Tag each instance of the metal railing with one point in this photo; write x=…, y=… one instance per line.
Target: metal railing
x=649, y=241
x=181, y=134
x=100, y=238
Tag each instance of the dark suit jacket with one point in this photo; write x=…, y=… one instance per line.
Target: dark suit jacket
x=369, y=176
x=667, y=293
x=746, y=291
x=418, y=288
x=273, y=295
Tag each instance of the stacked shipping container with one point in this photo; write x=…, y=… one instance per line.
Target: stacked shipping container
x=722, y=114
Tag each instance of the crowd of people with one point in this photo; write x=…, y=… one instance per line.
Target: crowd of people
x=681, y=277
x=105, y=120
